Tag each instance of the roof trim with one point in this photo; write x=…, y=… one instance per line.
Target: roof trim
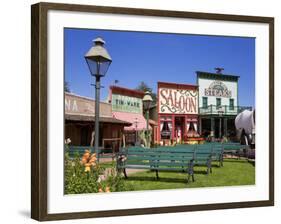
x=126, y=91
x=84, y=97
x=176, y=85
x=88, y=118
x=210, y=75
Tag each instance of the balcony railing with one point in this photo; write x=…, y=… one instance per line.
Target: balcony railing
x=223, y=110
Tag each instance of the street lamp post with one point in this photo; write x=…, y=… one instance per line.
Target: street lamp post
x=136, y=133
x=147, y=100
x=98, y=61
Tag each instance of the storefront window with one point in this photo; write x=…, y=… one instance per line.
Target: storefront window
x=205, y=102
x=218, y=103
x=166, y=128
x=191, y=129
x=231, y=104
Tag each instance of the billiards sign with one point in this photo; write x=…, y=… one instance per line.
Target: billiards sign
x=178, y=101
x=217, y=89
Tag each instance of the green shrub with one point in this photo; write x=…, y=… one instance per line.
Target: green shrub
x=117, y=182
x=77, y=181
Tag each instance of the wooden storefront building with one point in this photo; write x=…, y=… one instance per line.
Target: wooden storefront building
x=80, y=123
x=177, y=113
x=127, y=106
x=218, y=104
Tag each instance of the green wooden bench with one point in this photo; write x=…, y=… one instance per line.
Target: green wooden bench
x=204, y=154
x=203, y=157
x=80, y=150
x=154, y=160
x=180, y=158
x=217, y=154
x=234, y=148
x=201, y=154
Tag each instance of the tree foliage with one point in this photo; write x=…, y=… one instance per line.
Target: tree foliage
x=66, y=87
x=145, y=87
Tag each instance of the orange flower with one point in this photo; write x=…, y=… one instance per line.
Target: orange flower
x=84, y=160
x=87, y=167
x=107, y=189
x=100, y=190
x=85, y=156
x=93, y=158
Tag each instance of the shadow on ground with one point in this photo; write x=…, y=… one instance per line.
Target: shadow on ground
x=24, y=213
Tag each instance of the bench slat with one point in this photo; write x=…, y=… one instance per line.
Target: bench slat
x=161, y=163
x=161, y=151
x=159, y=158
x=158, y=152
x=147, y=167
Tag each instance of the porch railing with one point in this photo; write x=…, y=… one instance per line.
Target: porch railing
x=223, y=110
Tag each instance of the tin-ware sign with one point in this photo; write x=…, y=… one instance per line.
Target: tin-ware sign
x=178, y=101
x=126, y=104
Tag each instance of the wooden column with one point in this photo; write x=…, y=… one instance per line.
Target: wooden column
x=159, y=129
x=184, y=128
x=173, y=128
x=213, y=126
x=225, y=126
x=200, y=126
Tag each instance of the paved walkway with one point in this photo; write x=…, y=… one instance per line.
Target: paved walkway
x=104, y=160
x=132, y=171
x=128, y=171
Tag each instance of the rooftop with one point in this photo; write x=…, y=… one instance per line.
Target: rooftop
x=126, y=91
x=177, y=85
x=217, y=76
x=91, y=118
x=84, y=97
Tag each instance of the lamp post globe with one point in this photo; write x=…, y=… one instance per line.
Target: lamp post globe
x=147, y=101
x=98, y=60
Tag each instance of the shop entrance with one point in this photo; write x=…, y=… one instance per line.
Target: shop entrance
x=179, y=129
x=219, y=128
x=205, y=127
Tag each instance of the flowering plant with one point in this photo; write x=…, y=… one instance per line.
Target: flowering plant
x=88, y=160
x=85, y=175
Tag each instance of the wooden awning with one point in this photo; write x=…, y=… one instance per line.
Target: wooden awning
x=85, y=118
x=136, y=120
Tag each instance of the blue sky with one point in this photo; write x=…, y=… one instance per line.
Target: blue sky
x=152, y=57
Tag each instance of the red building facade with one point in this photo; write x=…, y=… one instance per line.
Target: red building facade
x=177, y=113
x=127, y=106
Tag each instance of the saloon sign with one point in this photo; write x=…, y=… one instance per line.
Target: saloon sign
x=178, y=101
x=218, y=89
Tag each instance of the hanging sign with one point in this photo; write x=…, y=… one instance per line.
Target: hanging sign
x=218, y=89
x=79, y=105
x=178, y=101
x=126, y=104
